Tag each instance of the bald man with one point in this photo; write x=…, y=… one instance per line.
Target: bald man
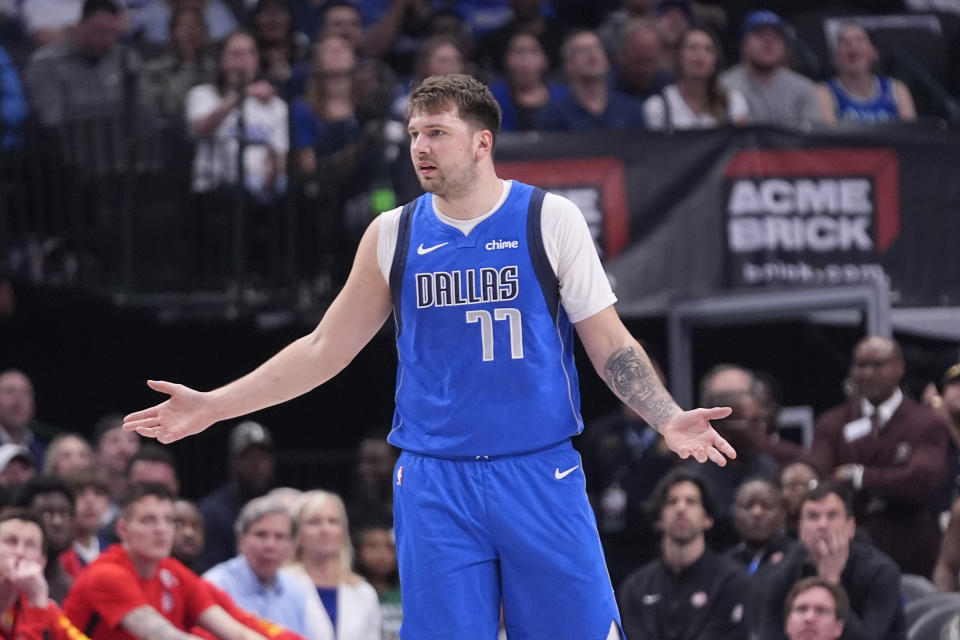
x=892, y=451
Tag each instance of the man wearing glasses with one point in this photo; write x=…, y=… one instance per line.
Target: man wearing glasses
x=891, y=450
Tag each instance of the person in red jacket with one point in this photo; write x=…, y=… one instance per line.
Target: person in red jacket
x=27, y=611
x=136, y=590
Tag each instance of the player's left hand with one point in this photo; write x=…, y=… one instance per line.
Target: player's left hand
x=689, y=433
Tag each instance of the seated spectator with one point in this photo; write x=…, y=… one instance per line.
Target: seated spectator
x=17, y=465
x=136, y=590
x=185, y=64
x=212, y=119
x=775, y=94
x=49, y=21
x=13, y=103
x=18, y=423
x=279, y=44
x=591, y=104
x=673, y=18
x=151, y=21
x=437, y=56
x=371, y=498
x=187, y=546
x=86, y=76
x=745, y=429
x=697, y=100
x=28, y=612
x=265, y=533
x=51, y=499
x=375, y=81
x=768, y=391
x=643, y=70
x=91, y=500
x=856, y=94
x=528, y=17
x=325, y=122
x=289, y=496
x=155, y=465
x=830, y=551
x=796, y=479
x=524, y=91
x=250, y=474
x=151, y=464
x=690, y=591
x=67, y=453
x=759, y=519
x=377, y=563
x=891, y=450
x=727, y=377
x=113, y=448
x=343, y=20
x=613, y=30
x=188, y=536
x=815, y=610
x=324, y=557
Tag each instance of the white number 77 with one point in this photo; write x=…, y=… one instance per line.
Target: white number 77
x=486, y=330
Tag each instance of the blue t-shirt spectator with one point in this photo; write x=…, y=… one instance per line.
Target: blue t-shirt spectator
x=310, y=131
x=517, y=118
x=566, y=114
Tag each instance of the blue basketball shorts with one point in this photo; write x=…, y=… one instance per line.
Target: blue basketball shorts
x=515, y=531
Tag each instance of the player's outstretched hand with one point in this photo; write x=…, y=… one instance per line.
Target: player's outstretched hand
x=689, y=434
x=183, y=414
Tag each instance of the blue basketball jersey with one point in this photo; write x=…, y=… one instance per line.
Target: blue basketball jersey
x=485, y=348
x=881, y=108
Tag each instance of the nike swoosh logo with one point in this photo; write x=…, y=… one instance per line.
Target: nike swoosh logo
x=560, y=475
x=422, y=251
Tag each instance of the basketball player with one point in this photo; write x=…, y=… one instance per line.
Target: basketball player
x=486, y=280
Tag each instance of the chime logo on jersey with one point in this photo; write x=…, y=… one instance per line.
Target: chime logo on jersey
x=496, y=245
x=467, y=286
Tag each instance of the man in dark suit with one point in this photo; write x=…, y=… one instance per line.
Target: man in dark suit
x=892, y=451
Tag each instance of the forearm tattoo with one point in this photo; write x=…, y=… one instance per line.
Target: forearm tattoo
x=637, y=384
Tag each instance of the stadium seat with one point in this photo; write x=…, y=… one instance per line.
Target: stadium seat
x=933, y=624
x=914, y=610
x=914, y=587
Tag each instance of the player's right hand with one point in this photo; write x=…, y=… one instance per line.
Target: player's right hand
x=183, y=414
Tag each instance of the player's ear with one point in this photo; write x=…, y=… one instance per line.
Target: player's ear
x=484, y=141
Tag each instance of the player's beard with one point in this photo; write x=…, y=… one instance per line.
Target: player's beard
x=454, y=185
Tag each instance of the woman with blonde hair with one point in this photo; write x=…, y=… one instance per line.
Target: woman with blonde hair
x=67, y=453
x=324, y=566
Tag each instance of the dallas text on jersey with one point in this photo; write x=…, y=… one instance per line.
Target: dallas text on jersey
x=470, y=286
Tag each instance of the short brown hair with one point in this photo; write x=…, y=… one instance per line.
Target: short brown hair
x=472, y=99
x=840, y=600
x=140, y=490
